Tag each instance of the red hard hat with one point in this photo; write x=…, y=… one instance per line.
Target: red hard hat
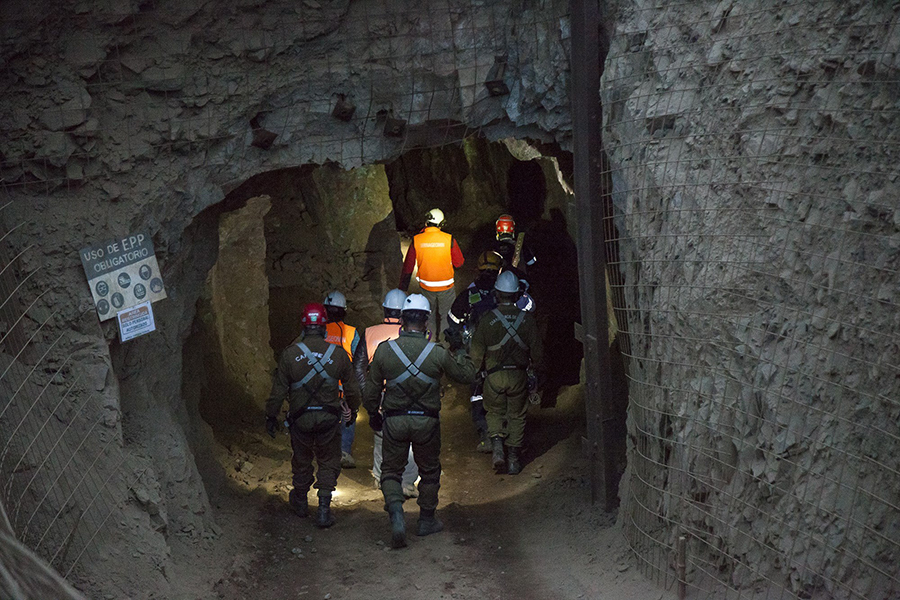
x=314, y=315
x=505, y=224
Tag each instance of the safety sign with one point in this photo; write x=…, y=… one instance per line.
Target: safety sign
x=122, y=273
x=135, y=321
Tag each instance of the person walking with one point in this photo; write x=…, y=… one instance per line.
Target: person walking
x=347, y=337
x=513, y=249
x=409, y=370
x=372, y=337
x=436, y=254
x=307, y=376
x=468, y=308
x=505, y=343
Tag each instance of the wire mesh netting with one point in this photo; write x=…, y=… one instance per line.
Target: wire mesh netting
x=64, y=474
x=753, y=164
x=125, y=116
x=754, y=246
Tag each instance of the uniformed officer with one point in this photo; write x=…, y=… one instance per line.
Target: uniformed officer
x=374, y=336
x=467, y=310
x=308, y=374
x=506, y=341
x=409, y=369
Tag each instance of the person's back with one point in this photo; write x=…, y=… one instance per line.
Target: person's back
x=505, y=343
x=423, y=389
x=493, y=329
x=308, y=374
x=408, y=370
x=436, y=255
x=347, y=337
x=321, y=399
x=375, y=335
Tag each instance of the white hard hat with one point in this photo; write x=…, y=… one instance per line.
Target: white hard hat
x=336, y=299
x=394, y=299
x=507, y=282
x=435, y=217
x=416, y=302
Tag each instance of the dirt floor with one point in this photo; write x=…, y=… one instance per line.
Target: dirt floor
x=531, y=536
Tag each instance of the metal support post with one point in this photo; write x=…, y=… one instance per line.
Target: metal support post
x=586, y=122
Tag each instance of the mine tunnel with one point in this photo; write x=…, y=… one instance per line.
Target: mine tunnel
x=288, y=237
x=714, y=183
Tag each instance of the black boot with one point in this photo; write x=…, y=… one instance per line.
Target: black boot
x=428, y=523
x=299, y=504
x=324, y=518
x=484, y=444
x=514, y=467
x=497, y=456
x=398, y=525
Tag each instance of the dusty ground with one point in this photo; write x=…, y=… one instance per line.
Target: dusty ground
x=532, y=536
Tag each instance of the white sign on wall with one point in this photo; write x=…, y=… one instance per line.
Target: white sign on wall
x=135, y=321
x=122, y=273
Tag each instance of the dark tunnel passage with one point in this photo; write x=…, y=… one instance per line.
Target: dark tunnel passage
x=290, y=236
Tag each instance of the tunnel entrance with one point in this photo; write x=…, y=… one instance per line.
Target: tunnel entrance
x=290, y=236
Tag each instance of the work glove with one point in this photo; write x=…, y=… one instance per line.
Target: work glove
x=376, y=422
x=350, y=421
x=272, y=426
x=454, y=338
x=346, y=413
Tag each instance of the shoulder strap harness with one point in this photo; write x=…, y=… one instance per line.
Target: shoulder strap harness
x=512, y=333
x=412, y=369
x=318, y=368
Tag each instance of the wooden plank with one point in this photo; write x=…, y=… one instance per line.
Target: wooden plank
x=586, y=122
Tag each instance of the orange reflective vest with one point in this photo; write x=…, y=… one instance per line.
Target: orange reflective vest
x=433, y=257
x=341, y=334
x=389, y=330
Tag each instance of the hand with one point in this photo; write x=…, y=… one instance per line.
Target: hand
x=351, y=420
x=454, y=338
x=376, y=422
x=272, y=426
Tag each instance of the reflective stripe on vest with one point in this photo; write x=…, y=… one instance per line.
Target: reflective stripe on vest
x=512, y=332
x=410, y=366
x=434, y=259
x=341, y=334
x=317, y=364
x=377, y=334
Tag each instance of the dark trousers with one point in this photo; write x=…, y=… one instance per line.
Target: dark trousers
x=322, y=446
x=477, y=406
x=506, y=403
x=424, y=434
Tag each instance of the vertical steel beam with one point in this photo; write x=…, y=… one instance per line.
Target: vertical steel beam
x=586, y=123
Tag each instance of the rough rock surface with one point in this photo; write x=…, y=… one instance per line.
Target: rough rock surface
x=119, y=117
x=756, y=195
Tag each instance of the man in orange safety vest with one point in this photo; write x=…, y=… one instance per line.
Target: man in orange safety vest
x=347, y=337
x=436, y=254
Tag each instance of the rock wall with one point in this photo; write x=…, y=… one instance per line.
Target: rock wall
x=120, y=117
x=754, y=166
x=237, y=315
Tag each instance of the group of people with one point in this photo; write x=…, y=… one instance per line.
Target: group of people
x=394, y=371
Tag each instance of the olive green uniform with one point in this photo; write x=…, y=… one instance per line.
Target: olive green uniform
x=314, y=411
x=505, y=358
x=411, y=407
